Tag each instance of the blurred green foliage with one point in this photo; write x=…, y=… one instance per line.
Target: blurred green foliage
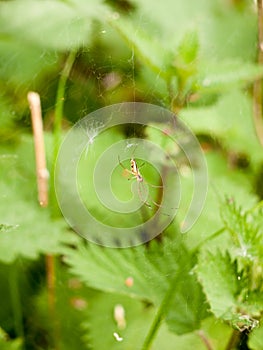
x=197, y=58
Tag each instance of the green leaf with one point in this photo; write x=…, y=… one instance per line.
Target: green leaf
x=108, y=269
x=172, y=18
x=256, y=339
x=149, y=50
x=49, y=24
x=225, y=32
x=189, y=46
x=224, y=181
x=73, y=301
x=7, y=344
x=31, y=231
x=229, y=291
x=22, y=64
x=137, y=317
x=32, y=234
x=218, y=276
x=221, y=76
x=230, y=121
x=244, y=227
x=187, y=308
x=152, y=270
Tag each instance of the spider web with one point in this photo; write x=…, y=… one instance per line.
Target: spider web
x=107, y=70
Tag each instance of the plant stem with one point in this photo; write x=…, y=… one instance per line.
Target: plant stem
x=234, y=340
x=41, y=170
x=60, y=99
x=257, y=95
x=42, y=178
x=214, y=235
x=51, y=283
x=205, y=340
x=50, y=272
x=15, y=300
x=160, y=314
x=50, y=260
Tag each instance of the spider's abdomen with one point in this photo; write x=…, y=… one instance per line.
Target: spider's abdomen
x=139, y=178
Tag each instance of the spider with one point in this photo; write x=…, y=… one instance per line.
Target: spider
x=135, y=172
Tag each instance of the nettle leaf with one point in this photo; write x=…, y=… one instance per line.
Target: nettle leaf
x=21, y=64
x=107, y=269
x=153, y=270
x=172, y=30
x=137, y=316
x=189, y=47
x=230, y=120
x=219, y=278
x=32, y=234
x=188, y=306
x=213, y=21
x=228, y=290
x=50, y=24
x=149, y=50
x=222, y=76
x=7, y=344
x=245, y=252
x=26, y=229
x=245, y=228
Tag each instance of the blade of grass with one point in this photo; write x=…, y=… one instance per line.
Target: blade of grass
x=57, y=132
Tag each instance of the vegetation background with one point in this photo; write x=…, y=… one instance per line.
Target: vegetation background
x=200, y=59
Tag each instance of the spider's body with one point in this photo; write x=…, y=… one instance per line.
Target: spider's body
x=135, y=171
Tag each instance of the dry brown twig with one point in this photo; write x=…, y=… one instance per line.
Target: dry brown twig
x=42, y=184
x=41, y=170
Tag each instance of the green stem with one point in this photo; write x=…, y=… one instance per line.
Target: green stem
x=15, y=300
x=159, y=315
x=214, y=235
x=60, y=99
x=205, y=340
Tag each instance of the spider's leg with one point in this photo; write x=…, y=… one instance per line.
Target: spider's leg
x=141, y=165
x=121, y=163
x=154, y=186
x=141, y=198
x=133, y=177
x=126, y=170
x=151, y=197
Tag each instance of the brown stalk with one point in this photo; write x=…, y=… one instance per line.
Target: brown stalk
x=41, y=170
x=42, y=184
x=257, y=94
